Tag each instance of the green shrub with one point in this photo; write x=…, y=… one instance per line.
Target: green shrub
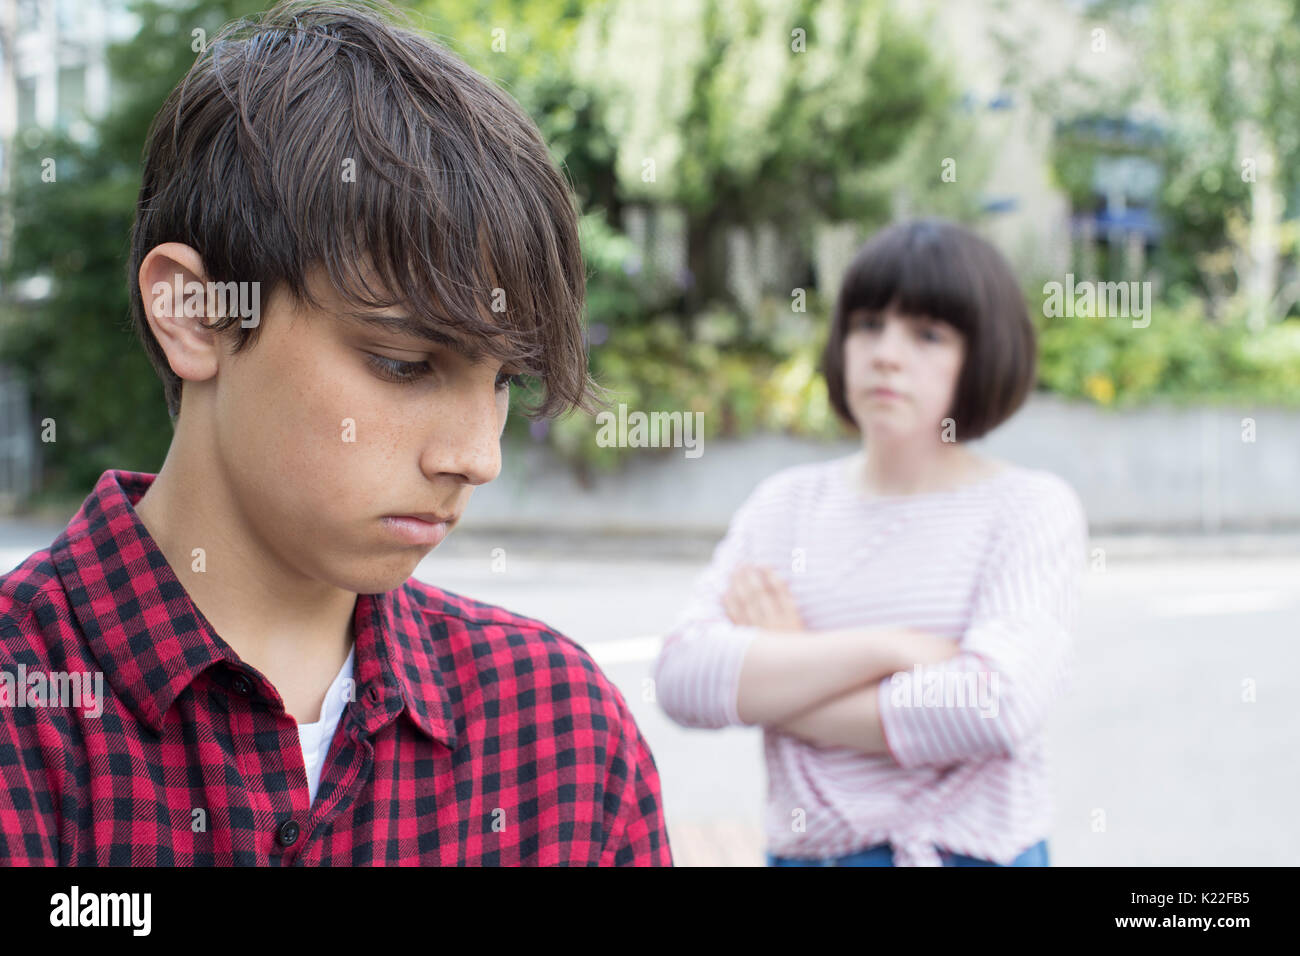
x=1180, y=357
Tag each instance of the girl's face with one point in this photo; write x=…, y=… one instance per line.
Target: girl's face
x=916, y=358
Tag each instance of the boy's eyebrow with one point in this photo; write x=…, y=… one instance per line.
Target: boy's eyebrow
x=405, y=325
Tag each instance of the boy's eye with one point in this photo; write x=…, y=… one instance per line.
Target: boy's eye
x=404, y=372
x=394, y=371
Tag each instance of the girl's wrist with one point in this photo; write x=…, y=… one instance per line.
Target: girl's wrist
x=884, y=650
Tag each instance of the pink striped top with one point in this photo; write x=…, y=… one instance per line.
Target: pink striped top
x=995, y=563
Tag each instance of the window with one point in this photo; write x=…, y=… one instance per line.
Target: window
x=26, y=102
x=65, y=14
x=72, y=94
x=29, y=16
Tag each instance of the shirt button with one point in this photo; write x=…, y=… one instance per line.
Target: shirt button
x=373, y=694
x=287, y=835
x=241, y=686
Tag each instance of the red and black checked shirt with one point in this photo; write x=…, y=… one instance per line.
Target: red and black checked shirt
x=475, y=737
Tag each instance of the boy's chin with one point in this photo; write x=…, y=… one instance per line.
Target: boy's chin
x=380, y=576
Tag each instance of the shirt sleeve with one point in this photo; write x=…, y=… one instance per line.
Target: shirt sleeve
x=1016, y=651
x=697, y=672
x=634, y=817
x=27, y=835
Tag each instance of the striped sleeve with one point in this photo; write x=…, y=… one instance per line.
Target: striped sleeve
x=697, y=672
x=1015, y=652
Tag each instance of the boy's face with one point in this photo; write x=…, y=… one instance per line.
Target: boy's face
x=917, y=357
x=316, y=444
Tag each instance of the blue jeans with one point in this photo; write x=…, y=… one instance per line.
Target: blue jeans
x=883, y=855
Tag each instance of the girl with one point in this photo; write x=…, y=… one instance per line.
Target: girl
x=898, y=621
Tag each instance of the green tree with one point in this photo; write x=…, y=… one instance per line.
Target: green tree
x=527, y=47
x=742, y=113
x=76, y=349
x=1227, y=75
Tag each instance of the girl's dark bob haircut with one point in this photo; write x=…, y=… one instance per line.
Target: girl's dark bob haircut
x=940, y=270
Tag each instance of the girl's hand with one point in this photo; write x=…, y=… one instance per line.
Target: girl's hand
x=757, y=597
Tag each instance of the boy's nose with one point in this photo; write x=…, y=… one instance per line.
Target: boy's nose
x=469, y=443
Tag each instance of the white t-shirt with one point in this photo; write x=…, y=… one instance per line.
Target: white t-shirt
x=316, y=738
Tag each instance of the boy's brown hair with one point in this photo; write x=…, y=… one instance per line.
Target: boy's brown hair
x=936, y=268
x=454, y=196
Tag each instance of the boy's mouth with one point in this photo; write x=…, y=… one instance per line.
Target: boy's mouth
x=429, y=517
x=423, y=529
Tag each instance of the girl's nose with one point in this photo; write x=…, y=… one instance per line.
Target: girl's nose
x=888, y=344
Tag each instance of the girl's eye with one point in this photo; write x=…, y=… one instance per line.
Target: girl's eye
x=931, y=334
x=505, y=381
x=395, y=371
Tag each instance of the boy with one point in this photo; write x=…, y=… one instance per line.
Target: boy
x=347, y=245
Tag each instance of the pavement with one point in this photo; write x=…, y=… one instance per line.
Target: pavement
x=1177, y=746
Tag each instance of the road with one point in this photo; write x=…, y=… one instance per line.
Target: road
x=1159, y=756
x=1177, y=746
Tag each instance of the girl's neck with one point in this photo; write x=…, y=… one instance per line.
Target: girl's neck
x=887, y=472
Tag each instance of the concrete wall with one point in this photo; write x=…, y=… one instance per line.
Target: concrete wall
x=1158, y=469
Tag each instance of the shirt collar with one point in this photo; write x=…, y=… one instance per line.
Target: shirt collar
x=152, y=641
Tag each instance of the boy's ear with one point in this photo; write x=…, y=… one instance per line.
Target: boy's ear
x=173, y=284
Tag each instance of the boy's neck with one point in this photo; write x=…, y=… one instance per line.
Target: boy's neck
x=295, y=630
